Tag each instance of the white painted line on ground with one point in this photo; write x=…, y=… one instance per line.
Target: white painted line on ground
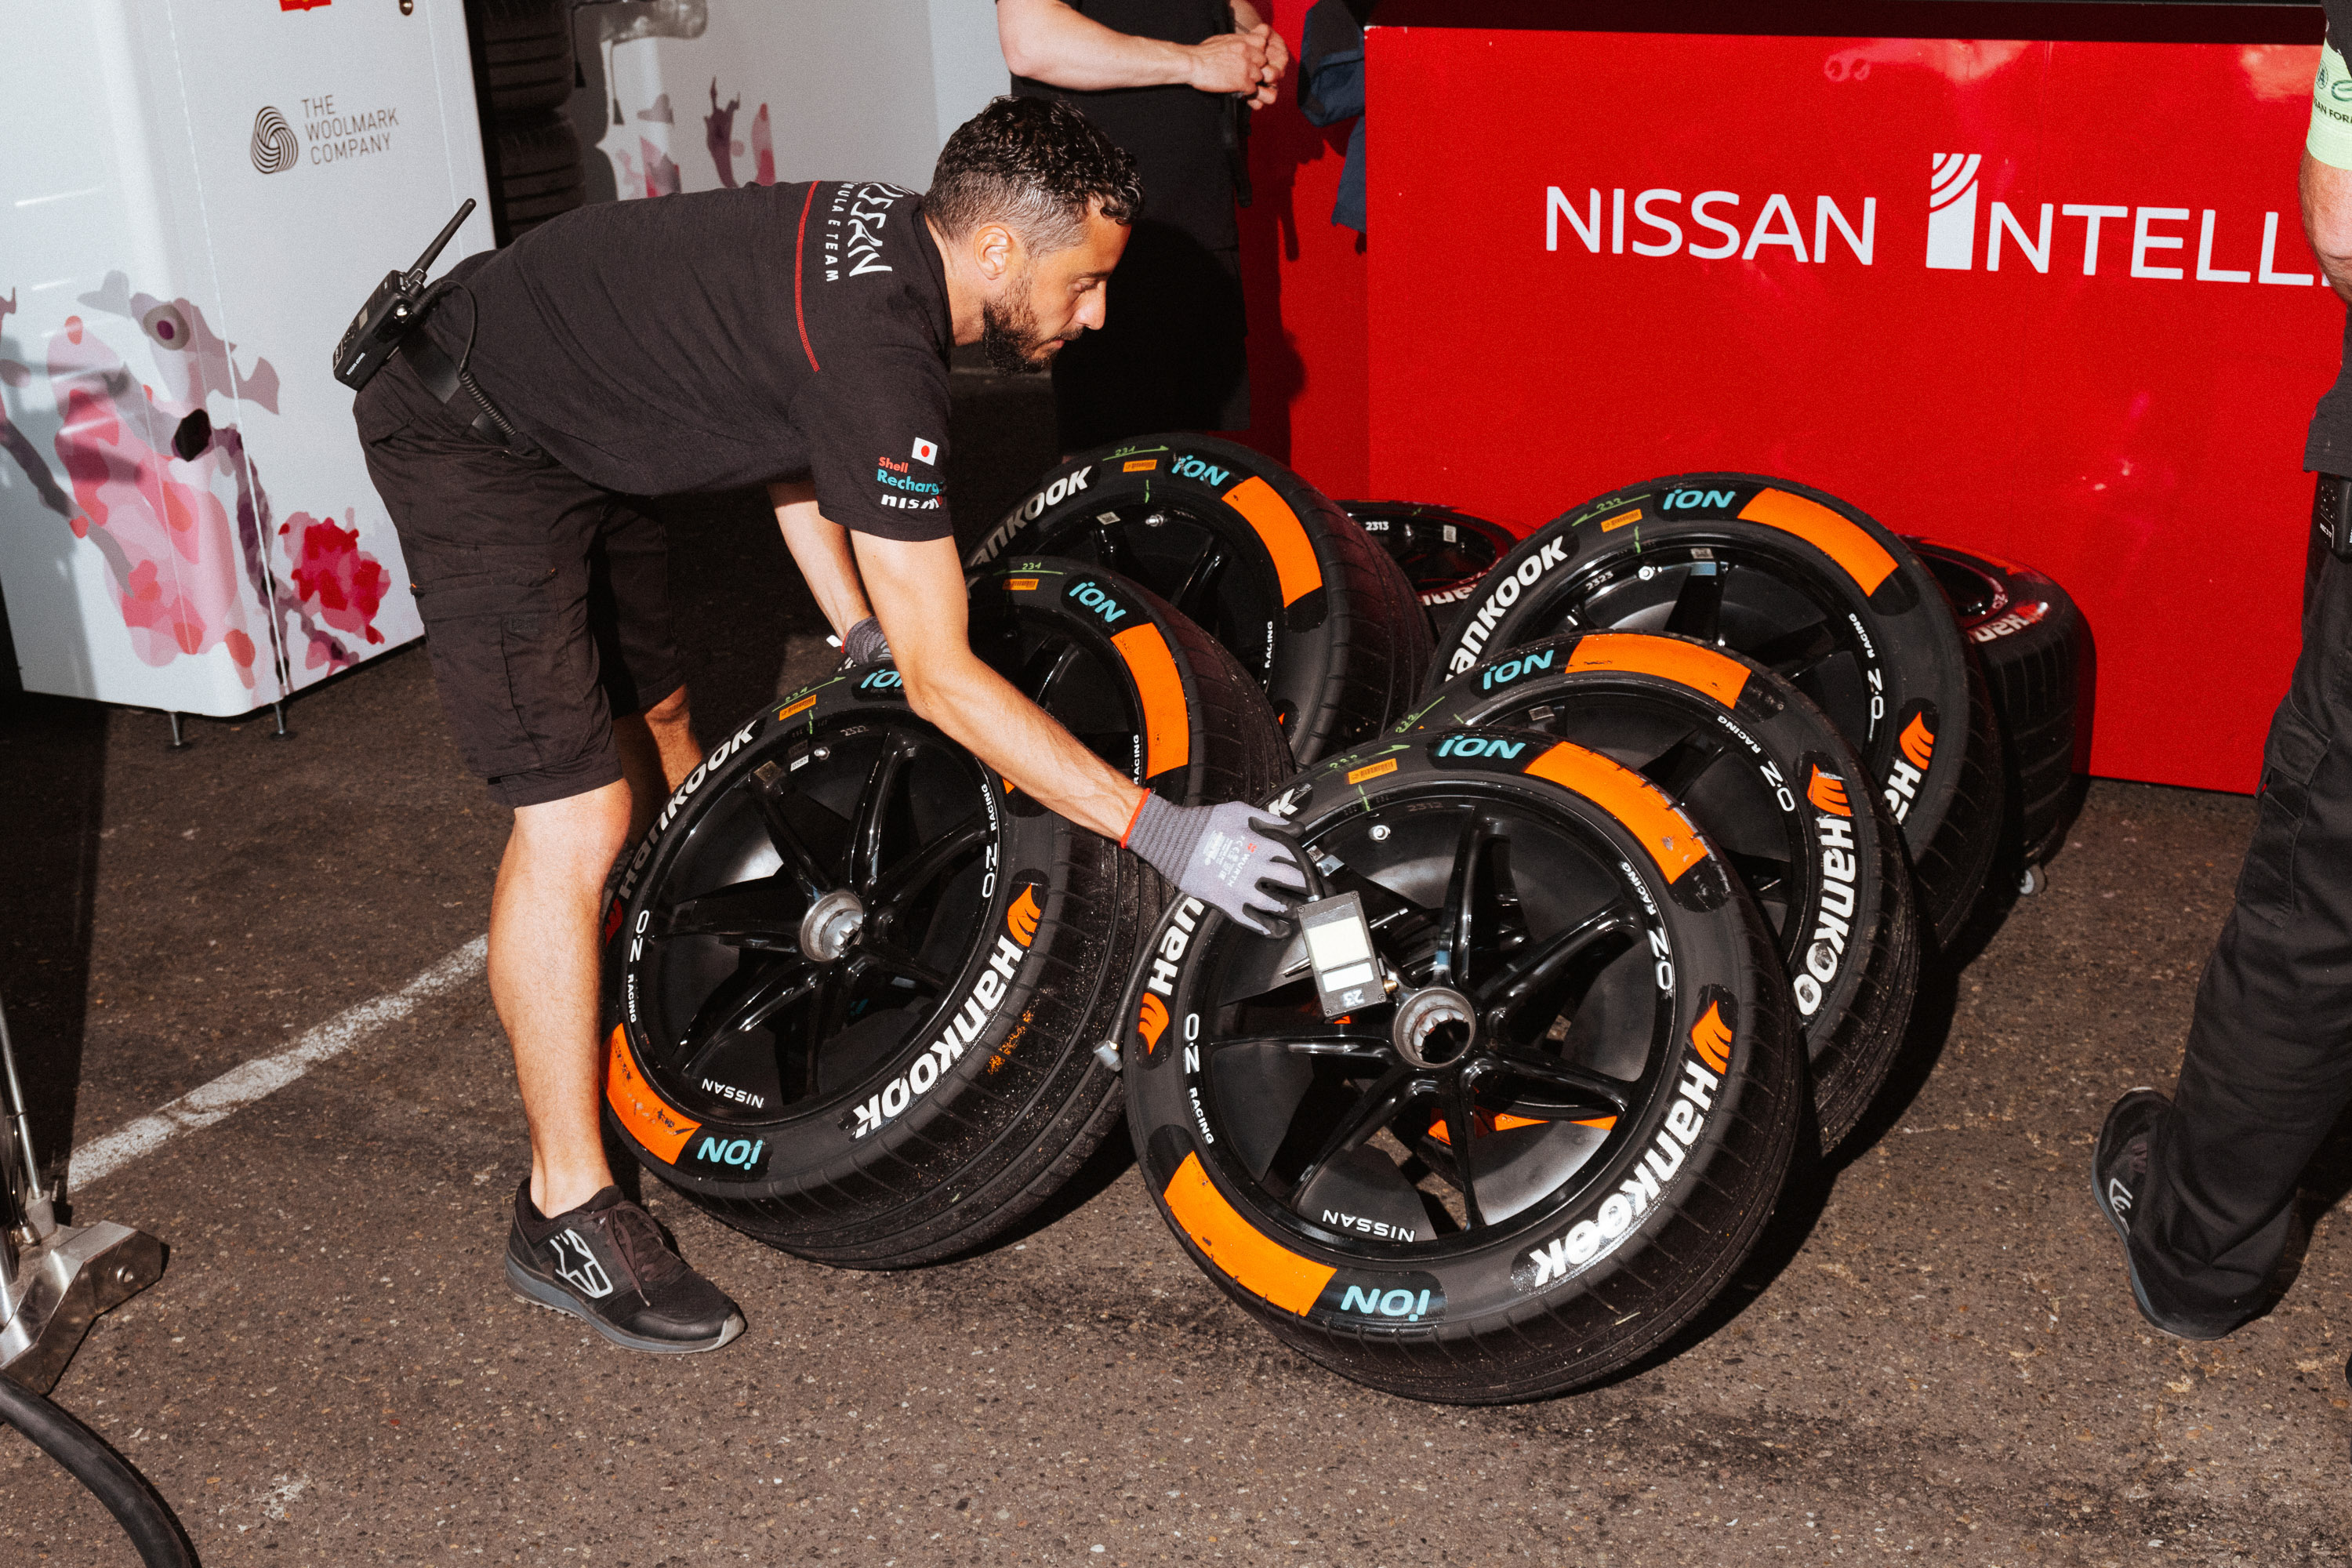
x=240, y=1087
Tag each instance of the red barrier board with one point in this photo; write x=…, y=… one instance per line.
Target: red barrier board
x=2050, y=301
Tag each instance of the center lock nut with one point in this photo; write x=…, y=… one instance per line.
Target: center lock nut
x=1435, y=1027
x=831, y=925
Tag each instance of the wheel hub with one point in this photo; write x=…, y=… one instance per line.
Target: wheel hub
x=831, y=925
x=1435, y=1027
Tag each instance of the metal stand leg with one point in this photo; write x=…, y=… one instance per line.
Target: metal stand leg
x=179, y=742
x=281, y=732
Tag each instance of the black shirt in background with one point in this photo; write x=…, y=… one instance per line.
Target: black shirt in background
x=726, y=338
x=1175, y=134
x=2328, y=448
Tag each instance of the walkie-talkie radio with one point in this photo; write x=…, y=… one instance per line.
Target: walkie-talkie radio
x=2331, y=511
x=389, y=312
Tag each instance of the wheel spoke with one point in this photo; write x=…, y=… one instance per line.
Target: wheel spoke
x=1767, y=877
x=1358, y=1044
x=1569, y=1088
x=1698, y=608
x=1679, y=766
x=1110, y=549
x=1462, y=1131
x=1370, y=1112
x=1042, y=694
x=1451, y=964
x=1795, y=653
x=909, y=876
x=1200, y=584
x=749, y=999
x=768, y=790
x=872, y=820
x=886, y=959
x=761, y=914
x=1535, y=970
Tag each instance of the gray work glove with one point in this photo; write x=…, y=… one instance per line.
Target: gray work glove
x=1231, y=856
x=865, y=644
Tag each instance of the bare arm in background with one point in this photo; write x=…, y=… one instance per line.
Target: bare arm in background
x=919, y=597
x=2327, y=220
x=1047, y=41
x=821, y=550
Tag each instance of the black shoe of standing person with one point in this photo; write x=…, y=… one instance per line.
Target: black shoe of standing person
x=609, y=1265
x=2118, y=1177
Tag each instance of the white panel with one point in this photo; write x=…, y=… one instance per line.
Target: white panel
x=967, y=62
x=846, y=89
x=197, y=276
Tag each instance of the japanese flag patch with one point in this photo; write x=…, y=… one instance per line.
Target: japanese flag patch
x=926, y=451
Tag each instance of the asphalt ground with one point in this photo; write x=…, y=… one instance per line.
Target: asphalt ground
x=1933, y=1354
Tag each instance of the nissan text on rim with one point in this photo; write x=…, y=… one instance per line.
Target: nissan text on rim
x=1813, y=588
x=1775, y=788
x=1314, y=610
x=855, y=980
x=1551, y=1135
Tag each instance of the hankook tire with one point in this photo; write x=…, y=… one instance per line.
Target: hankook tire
x=1779, y=793
x=1811, y=587
x=1316, y=612
x=855, y=980
x=1553, y=1129
x=1444, y=552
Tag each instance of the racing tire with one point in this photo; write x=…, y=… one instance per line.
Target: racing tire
x=539, y=170
x=2029, y=637
x=1294, y=588
x=1779, y=795
x=1610, y=1052
x=526, y=53
x=898, y=1088
x=1815, y=590
x=1444, y=552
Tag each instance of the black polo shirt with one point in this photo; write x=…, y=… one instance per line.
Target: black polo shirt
x=726, y=338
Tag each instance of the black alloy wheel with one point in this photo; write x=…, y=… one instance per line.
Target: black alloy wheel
x=857, y=979
x=1444, y=552
x=1551, y=1129
x=1779, y=793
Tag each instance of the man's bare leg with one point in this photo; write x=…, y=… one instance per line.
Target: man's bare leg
x=544, y=982
x=657, y=750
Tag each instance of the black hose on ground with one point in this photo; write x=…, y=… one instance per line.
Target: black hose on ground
x=126, y=1493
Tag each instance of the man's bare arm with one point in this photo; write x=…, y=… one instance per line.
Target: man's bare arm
x=2327, y=220
x=821, y=550
x=1047, y=41
x=919, y=595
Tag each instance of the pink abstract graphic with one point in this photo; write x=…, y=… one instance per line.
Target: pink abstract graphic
x=661, y=174
x=719, y=135
x=333, y=572
x=763, y=148
x=173, y=504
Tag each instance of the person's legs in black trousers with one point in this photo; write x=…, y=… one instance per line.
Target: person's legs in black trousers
x=2269, y=1061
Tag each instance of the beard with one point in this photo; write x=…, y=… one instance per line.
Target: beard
x=1009, y=334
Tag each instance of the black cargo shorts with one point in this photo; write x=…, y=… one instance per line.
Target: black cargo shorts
x=545, y=598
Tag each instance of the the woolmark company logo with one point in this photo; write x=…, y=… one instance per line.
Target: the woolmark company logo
x=275, y=148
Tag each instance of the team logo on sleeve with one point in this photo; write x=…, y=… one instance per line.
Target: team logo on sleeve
x=926, y=451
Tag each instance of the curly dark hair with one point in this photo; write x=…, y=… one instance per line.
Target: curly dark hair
x=1034, y=165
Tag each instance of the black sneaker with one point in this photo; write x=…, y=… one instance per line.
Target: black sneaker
x=607, y=1264
x=2118, y=1167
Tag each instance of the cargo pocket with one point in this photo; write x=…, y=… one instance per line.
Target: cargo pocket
x=550, y=664
x=487, y=633
x=2290, y=759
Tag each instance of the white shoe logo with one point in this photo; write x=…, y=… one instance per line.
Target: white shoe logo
x=586, y=1275
x=2120, y=1200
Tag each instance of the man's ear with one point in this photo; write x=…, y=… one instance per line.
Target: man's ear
x=994, y=252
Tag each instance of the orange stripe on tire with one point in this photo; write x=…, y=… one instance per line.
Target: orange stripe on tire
x=1862, y=558
x=1261, y=1267
x=1702, y=669
x=660, y=1127
x=1294, y=566
x=1629, y=797
x=1167, y=723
